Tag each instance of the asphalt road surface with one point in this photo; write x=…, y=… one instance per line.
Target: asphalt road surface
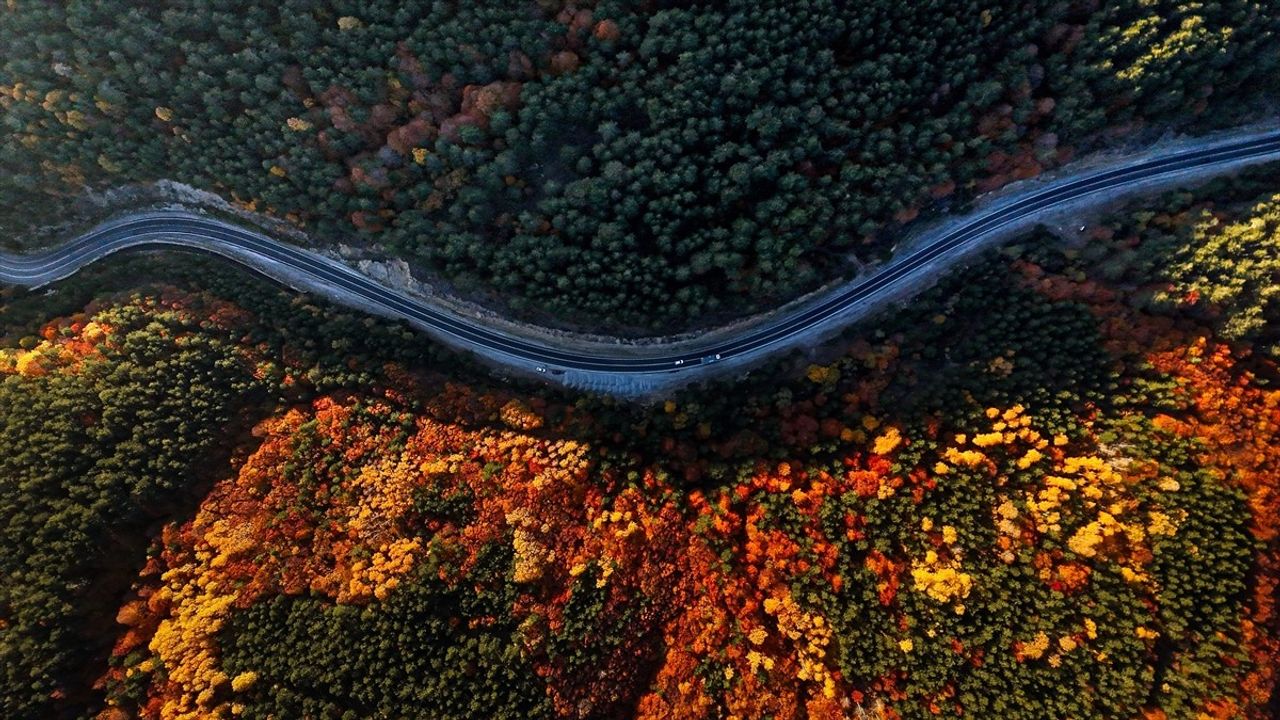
x=328, y=277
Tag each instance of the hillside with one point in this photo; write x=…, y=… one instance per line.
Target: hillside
x=615, y=166
x=1046, y=488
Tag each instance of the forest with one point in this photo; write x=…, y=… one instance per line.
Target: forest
x=273, y=508
x=629, y=166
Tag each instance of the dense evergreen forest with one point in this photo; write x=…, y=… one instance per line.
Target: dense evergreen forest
x=632, y=165
x=274, y=509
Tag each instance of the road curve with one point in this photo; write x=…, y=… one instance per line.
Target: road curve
x=311, y=271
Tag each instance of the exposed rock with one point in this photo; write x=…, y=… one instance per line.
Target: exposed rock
x=393, y=273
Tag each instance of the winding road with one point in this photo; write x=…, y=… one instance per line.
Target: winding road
x=933, y=252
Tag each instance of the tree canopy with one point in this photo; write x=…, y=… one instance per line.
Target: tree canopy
x=635, y=166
